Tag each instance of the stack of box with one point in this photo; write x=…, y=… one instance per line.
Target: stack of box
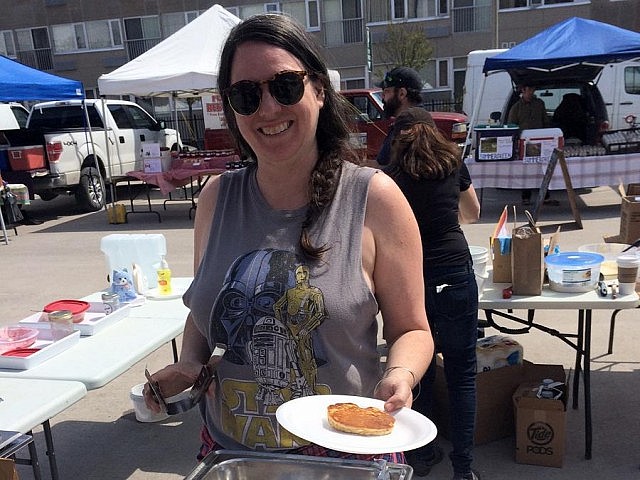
x=151, y=160
x=494, y=398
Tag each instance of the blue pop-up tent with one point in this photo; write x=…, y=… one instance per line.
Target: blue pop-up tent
x=571, y=43
x=19, y=82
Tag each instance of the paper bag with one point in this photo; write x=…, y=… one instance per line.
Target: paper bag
x=527, y=261
x=501, y=263
x=8, y=469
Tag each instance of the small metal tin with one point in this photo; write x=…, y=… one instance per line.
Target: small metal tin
x=110, y=302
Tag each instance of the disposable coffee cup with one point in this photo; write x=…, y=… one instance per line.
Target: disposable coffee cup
x=627, y=273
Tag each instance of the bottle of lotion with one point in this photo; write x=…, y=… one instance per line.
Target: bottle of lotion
x=164, y=278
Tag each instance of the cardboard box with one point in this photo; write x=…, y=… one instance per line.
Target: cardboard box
x=150, y=150
x=152, y=165
x=630, y=219
x=540, y=422
x=494, y=399
x=536, y=145
x=26, y=158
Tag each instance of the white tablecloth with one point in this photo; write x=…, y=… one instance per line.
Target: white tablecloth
x=584, y=172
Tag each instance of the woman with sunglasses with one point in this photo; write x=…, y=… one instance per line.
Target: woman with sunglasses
x=429, y=170
x=295, y=255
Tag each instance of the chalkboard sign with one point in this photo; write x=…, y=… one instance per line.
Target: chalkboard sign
x=557, y=157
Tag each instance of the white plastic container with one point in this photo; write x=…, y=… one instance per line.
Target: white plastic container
x=610, y=251
x=480, y=257
x=146, y=250
x=143, y=414
x=573, y=271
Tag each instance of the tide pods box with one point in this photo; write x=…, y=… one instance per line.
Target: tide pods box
x=541, y=422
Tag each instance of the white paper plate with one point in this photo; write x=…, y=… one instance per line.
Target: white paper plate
x=306, y=417
x=154, y=294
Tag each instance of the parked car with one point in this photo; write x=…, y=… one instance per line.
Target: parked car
x=13, y=116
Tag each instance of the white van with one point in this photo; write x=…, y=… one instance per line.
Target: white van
x=619, y=85
x=497, y=87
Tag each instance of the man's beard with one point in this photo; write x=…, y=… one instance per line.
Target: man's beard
x=391, y=107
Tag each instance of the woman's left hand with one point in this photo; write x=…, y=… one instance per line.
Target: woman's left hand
x=395, y=391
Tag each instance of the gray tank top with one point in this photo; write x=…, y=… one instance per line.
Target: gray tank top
x=292, y=327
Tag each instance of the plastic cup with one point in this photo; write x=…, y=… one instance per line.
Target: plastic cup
x=627, y=273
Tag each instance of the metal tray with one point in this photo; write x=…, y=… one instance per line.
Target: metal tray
x=245, y=465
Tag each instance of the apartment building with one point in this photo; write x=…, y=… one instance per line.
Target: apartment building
x=82, y=39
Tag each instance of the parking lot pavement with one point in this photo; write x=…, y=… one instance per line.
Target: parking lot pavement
x=99, y=437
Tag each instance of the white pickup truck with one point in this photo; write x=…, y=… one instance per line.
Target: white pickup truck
x=81, y=160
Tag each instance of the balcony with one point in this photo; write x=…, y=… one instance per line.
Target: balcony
x=39, y=58
x=135, y=48
x=339, y=32
x=472, y=19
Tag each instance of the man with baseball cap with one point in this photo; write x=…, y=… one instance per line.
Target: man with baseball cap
x=401, y=88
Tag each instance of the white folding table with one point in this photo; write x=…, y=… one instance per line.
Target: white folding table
x=494, y=305
x=27, y=403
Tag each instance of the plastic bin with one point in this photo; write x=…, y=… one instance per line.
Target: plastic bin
x=26, y=158
x=496, y=143
x=123, y=250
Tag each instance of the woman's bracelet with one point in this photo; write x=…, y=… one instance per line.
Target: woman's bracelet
x=413, y=375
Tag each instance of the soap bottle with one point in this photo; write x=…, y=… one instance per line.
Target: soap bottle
x=164, y=278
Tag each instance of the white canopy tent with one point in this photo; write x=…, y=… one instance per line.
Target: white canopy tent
x=182, y=65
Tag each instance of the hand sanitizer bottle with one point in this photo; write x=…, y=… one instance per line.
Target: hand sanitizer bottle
x=164, y=278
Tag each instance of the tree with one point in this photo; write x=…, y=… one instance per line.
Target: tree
x=405, y=45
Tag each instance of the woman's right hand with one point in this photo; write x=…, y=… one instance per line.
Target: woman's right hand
x=171, y=380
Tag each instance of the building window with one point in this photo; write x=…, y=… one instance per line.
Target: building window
x=403, y=9
x=234, y=10
x=142, y=33
x=442, y=80
x=34, y=48
x=313, y=14
x=506, y=4
x=7, y=47
x=172, y=22
x=272, y=7
x=95, y=35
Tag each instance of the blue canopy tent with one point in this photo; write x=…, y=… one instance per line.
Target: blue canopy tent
x=573, y=42
x=19, y=82
x=574, y=48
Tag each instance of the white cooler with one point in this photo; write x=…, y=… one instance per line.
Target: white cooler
x=536, y=145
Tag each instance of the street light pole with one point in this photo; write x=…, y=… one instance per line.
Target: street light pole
x=496, y=24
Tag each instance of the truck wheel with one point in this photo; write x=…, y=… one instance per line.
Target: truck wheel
x=90, y=194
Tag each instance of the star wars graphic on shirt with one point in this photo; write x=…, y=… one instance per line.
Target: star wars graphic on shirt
x=267, y=313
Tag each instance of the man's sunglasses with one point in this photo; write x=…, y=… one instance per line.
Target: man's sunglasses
x=285, y=87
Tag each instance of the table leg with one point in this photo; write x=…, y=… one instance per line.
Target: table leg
x=586, y=373
x=53, y=465
x=4, y=229
x=148, y=194
x=579, y=352
x=33, y=457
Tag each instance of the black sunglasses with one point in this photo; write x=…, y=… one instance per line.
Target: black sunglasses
x=285, y=87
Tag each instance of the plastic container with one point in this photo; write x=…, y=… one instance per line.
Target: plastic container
x=76, y=307
x=143, y=414
x=13, y=337
x=480, y=257
x=573, y=271
x=146, y=250
x=610, y=251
